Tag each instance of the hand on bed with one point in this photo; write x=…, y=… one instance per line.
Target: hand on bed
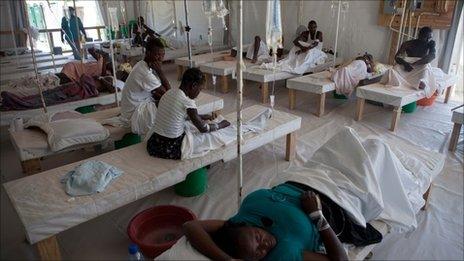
x=310, y=202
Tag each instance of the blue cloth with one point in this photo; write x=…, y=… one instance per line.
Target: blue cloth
x=291, y=226
x=89, y=178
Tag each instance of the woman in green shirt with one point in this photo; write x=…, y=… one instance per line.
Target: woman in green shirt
x=282, y=223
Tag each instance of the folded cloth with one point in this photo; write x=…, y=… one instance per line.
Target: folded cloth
x=90, y=177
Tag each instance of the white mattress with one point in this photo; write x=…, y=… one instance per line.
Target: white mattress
x=389, y=95
x=458, y=116
x=258, y=74
x=29, y=67
x=32, y=143
x=222, y=68
x=199, y=59
x=104, y=98
x=178, y=53
x=318, y=82
x=28, y=61
x=6, y=78
x=45, y=209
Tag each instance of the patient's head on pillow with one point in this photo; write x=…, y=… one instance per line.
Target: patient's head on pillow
x=193, y=81
x=243, y=241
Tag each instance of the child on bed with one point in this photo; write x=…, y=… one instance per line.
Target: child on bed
x=173, y=109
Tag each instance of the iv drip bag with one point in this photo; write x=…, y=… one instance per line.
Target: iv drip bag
x=273, y=25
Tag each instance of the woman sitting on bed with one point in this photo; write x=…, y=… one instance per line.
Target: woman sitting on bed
x=288, y=222
x=173, y=108
x=347, y=77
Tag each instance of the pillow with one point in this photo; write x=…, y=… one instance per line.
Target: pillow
x=69, y=128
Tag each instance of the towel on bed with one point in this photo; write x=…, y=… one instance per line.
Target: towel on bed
x=89, y=178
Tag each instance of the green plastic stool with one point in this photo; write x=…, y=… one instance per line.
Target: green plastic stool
x=194, y=184
x=340, y=96
x=409, y=108
x=86, y=109
x=128, y=140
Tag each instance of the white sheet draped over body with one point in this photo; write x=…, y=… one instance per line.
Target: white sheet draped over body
x=373, y=183
x=346, y=78
x=196, y=144
x=300, y=63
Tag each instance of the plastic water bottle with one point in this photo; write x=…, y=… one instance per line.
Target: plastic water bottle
x=134, y=253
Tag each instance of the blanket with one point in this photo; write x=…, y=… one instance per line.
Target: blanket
x=75, y=70
x=299, y=63
x=347, y=77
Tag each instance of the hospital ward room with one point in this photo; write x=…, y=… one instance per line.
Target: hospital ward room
x=231, y=130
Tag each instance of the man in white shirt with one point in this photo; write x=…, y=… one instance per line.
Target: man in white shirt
x=145, y=84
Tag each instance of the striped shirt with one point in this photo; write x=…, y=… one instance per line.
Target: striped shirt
x=172, y=113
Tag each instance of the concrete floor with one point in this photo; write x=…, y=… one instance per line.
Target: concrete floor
x=105, y=239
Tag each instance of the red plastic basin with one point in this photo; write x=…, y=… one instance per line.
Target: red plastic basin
x=157, y=229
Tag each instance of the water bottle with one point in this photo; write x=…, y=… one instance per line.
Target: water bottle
x=134, y=253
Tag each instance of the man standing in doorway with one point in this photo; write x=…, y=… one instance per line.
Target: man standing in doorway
x=71, y=29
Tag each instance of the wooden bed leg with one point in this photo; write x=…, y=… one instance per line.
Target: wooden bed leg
x=448, y=93
x=224, y=84
x=290, y=146
x=359, y=108
x=455, y=137
x=321, y=108
x=49, y=249
x=426, y=198
x=395, y=118
x=264, y=92
x=291, y=99
x=180, y=71
x=31, y=166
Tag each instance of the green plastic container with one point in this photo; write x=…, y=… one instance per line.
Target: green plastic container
x=127, y=140
x=410, y=108
x=86, y=109
x=340, y=96
x=194, y=184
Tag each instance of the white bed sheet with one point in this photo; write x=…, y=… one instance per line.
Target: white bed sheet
x=393, y=96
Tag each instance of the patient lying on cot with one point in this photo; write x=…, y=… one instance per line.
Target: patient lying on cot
x=347, y=77
x=306, y=54
x=287, y=222
x=414, y=70
x=176, y=104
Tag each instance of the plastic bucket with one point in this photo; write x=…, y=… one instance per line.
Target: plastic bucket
x=127, y=140
x=410, y=108
x=194, y=184
x=86, y=109
x=427, y=101
x=157, y=229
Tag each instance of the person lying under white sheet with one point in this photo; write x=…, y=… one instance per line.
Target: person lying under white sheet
x=145, y=84
x=168, y=132
x=306, y=54
x=347, y=77
x=292, y=220
x=413, y=69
